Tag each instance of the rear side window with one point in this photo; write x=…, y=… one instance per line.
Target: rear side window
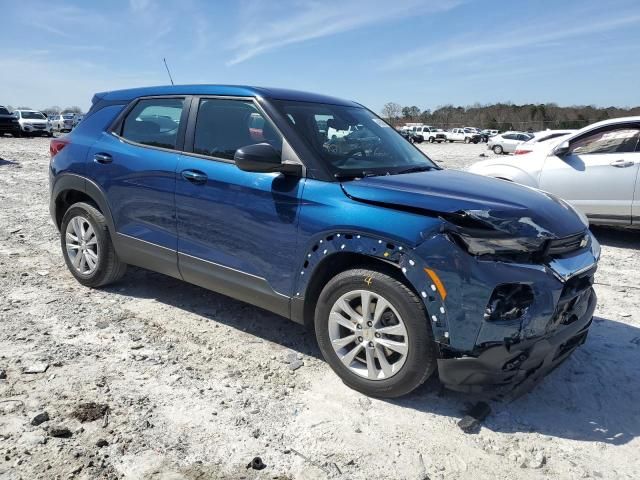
x=154, y=122
x=223, y=126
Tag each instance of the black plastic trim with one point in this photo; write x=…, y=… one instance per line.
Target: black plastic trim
x=72, y=181
x=233, y=283
x=146, y=255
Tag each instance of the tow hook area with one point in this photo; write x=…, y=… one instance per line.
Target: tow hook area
x=515, y=369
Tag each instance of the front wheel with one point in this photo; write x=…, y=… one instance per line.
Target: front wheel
x=87, y=247
x=374, y=333
x=497, y=149
x=431, y=140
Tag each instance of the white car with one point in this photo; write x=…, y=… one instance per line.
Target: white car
x=507, y=142
x=595, y=169
x=33, y=122
x=57, y=122
x=540, y=140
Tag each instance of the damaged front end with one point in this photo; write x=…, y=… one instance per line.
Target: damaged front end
x=520, y=299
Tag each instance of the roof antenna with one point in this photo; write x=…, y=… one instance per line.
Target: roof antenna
x=167, y=67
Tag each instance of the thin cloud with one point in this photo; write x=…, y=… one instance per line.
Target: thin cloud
x=520, y=38
x=304, y=21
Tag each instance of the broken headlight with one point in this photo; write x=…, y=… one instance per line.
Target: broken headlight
x=498, y=245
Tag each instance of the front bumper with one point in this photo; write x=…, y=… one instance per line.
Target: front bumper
x=9, y=127
x=479, y=351
x=518, y=368
x=36, y=129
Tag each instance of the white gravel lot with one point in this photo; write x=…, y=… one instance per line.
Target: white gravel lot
x=197, y=384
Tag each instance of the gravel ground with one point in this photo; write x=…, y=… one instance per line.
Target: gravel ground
x=157, y=379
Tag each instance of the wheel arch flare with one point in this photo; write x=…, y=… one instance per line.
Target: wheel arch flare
x=422, y=277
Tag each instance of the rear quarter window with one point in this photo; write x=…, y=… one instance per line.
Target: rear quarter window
x=154, y=122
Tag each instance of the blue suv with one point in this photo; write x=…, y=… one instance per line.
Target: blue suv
x=314, y=208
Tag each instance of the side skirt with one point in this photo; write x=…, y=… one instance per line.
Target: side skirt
x=233, y=283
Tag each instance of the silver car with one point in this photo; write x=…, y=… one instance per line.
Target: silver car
x=507, y=142
x=595, y=169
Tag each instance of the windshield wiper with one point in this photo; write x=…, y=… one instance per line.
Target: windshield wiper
x=420, y=168
x=352, y=176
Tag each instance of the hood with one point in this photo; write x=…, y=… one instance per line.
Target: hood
x=498, y=204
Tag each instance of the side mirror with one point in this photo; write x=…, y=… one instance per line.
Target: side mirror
x=263, y=158
x=561, y=149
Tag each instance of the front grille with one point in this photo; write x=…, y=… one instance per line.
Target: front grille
x=562, y=246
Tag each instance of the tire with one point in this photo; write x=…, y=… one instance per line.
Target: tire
x=431, y=140
x=108, y=268
x=404, y=373
x=466, y=140
x=450, y=141
x=497, y=149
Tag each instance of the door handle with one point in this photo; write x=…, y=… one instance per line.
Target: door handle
x=194, y=176
x=622, y=163
x=102, y=158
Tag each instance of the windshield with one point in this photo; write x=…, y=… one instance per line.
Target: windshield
x=32, y=115
x=352, y=141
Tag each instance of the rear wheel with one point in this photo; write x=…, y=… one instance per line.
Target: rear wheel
x=466, y=140
x=87, y=248
x=374, y=333
x=431, y=140
x=497, y=149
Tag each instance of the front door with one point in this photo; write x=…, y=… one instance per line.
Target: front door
x=598, y=173
x=237, y=230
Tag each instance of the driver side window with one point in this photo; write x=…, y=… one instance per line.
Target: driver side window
x=223, y=126
x=619, y=139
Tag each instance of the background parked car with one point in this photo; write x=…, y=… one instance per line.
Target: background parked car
x=437, y=135
x=57, y=122
x=507, y=142
x=485, y=135
x=33, y=122
x=408, y=134
x=67, y=122
x=595, y=169
x=467, y=135
x=8, y=123
x=540, y=138
x=76, y=120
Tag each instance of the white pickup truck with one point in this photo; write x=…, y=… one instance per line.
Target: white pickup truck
x=465, y=135
x=426, y=133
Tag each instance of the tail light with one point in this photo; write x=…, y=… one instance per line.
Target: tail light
x=522, y=152
x=56, y=145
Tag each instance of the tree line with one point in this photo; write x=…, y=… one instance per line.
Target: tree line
x=53, y=110
x=504, y=116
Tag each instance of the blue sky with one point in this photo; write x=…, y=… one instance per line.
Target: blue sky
x=413, y=52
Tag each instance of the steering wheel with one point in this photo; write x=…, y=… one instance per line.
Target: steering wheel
x=350, y=153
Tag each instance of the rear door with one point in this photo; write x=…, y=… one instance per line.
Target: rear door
x=135, y=165
x=598, y=174
x=509, y=142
